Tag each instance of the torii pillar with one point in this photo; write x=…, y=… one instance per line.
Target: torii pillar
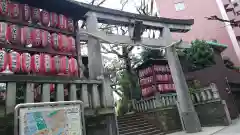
x=188, y=115
x=96, y=71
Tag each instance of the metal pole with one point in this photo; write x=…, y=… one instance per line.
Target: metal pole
x=186, y=109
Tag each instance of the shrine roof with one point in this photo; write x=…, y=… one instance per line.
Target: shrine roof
x=77, y=10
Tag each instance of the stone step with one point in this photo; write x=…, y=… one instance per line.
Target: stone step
x=126, y=126
x=132, y=129
x=129, y=116
x=149, y=131
x=139, y=121
x=131, y=120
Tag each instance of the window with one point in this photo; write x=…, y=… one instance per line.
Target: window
x=179, y=6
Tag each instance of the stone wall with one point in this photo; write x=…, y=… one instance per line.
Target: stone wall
x=210, y=114
x=101, y=125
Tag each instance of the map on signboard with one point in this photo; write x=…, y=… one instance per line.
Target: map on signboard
x=50, y=121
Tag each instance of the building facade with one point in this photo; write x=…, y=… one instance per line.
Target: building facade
x=203, y=28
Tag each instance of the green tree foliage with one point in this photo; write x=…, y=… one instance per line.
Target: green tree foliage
x=148, y=54
x=200, y=55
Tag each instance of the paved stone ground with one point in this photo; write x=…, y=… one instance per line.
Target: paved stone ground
x=233, y=129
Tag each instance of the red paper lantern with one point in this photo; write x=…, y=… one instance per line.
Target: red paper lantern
x=14, y=10
x=160, y=88
x=26, y=35
x=26, y=62
x=72, y=44
x=36, y=37
x=70, y=25
x=56, y=60
x=46, y=63
x=55, y=41
x=3, y=32
x=36, y=15
x=73, y=66
x=36, y=63
x=4, y=7
x=14, y=61
x=64, y=63
x=62, y=22
x=53, y=20
x=3, y=60
x=14, y=33
x=63, y=42
x=26, y=12
x=46, y=38
x=45, y=17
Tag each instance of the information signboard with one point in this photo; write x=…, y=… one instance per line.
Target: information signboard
x=50, y=120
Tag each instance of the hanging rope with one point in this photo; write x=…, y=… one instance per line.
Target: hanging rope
x=136, y=44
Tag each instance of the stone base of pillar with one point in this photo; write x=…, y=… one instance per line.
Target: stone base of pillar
x=191, y=122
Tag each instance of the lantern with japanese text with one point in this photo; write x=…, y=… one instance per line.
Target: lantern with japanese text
x=53, y=20
x=25, y=62
x=63, y=42
x=3, y=60
x=36, y=15
x=36, y=37
x=14, y=61
x=73, y=66
x=46, y=38
x=14, y=9
x=26, y=35
x=26, y=13
x=70, y=25
x=4, y=7
x=71, y=44
x=45, y=18
x=36, y=63
x=64, y=63
x=56, y=64
x=46, y=63
x=14, y=33
x=3, y=32
x=55, y=40
x=62, y=22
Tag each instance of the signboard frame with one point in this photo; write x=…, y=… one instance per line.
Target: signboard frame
x=41, y=105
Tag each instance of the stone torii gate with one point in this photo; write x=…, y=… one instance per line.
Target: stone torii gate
x=94, y=37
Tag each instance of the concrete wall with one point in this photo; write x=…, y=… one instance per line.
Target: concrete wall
x=168, y=120
x=202, y=28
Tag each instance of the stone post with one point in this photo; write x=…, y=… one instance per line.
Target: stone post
x=187, y=111
x=29, y=93
x=94, y=49
x=11, y=97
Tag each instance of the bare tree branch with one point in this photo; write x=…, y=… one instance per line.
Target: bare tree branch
x=112, y=51
x=100, y=3
x=214, y=17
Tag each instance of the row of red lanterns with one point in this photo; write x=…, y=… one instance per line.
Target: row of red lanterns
x=145, y=72
x=159, y=78
x=34, y=15
x=146, y=81
x=166, y=87
x=164, y=78
x=155, y=68
x=38, y=63
x=161, y=68
x=13, y=34
x=149, y=91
